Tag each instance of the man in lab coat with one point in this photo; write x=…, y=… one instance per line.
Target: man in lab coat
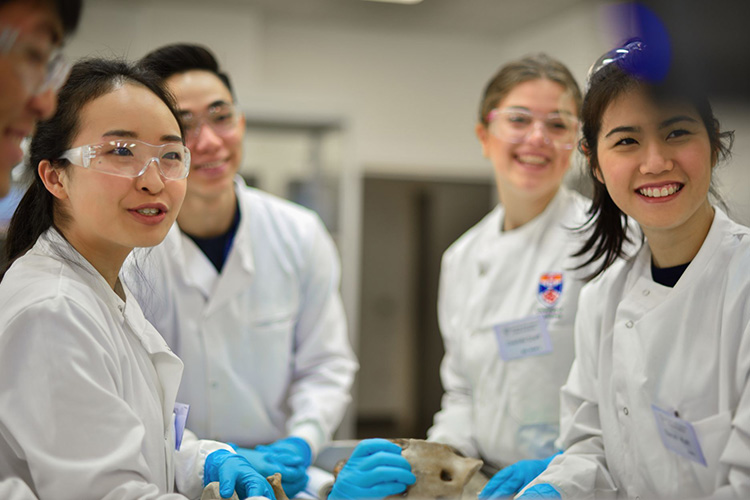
x=28, y=89
x=28, y=93
x=246, y=292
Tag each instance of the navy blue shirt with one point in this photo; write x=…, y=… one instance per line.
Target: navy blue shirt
x=667, y=276
x=217, y=248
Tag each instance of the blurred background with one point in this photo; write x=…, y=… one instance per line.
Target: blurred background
x=365, y=112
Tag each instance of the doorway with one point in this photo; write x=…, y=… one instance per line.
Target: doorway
x=407, y=225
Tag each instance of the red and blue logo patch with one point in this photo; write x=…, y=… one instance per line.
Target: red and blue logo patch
x=550, y=288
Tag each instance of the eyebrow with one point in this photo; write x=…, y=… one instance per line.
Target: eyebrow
x=623, y=129
x=132, y=135
x=666, y=123
x=218, y=102
x=675, y=119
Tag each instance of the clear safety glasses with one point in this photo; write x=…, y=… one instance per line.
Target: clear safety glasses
x=515, y=125
x=221, y=118
x=40, y=66
x=131, y=158
x=618, y=55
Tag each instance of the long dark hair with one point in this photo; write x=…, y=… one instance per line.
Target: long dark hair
x=89, y=79
x=607, y=222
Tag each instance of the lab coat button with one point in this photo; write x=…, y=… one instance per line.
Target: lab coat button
x=214, y=384
x=626, y=411
x=629, y=324
x=646, y=292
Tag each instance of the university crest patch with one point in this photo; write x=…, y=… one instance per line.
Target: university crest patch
x=550, y=288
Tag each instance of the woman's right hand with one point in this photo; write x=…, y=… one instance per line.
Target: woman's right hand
x=235, y=473
x=375, y=469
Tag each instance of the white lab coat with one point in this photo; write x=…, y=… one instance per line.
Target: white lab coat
x=87, y=387
x=15, y=489
x=265, y=342
x=683, y=349
x=505, y=411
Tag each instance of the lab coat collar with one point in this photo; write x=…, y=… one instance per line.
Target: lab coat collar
x=554, y=210
x=721, y=227
x=51, y=242
x=554, y=213
x=167, y=365
x=239, y=267
x=243, y=244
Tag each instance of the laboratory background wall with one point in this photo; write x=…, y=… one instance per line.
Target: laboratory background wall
x=372, y=124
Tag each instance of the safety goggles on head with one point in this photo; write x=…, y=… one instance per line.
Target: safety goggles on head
x=40, y=66
x=221, y=118
x=131, y=158
x=618, y=55
x=515, y=125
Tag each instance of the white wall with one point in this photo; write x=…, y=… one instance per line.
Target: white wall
x=410, y=99
x=406, y=103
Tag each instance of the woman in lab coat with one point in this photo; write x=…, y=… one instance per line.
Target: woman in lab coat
x=659, y=389
x=245, y=290
x=508, y=287
x=87, y=386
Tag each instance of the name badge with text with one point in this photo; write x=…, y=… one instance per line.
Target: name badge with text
x=523, y=338
x=180, y=419
x=678, y=436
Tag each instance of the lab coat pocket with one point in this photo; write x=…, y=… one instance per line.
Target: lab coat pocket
x=713, y=433
x=269, y=344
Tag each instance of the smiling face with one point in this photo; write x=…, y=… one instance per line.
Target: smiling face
x=215, y=156
x=109, y=215
x=39, y=32
x=655, y=160
x=533, y=168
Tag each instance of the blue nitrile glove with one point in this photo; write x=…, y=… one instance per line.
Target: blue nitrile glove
x=514, y=478
x=291, y=488
x=235, y=473
x=541, y=491
x=291, y=446
x=376, y=469
x=292, y=452
x=268, y=463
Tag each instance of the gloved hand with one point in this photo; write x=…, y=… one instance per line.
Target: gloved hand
x=291, y=446
x=286, y=456
x=235, y=473
x=541, y=491
x=514, y=478
x=292, y=452
x=376, y=469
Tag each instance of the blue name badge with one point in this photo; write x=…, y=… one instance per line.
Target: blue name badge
x=180, y=419
x=523, y=338
x=678, y=436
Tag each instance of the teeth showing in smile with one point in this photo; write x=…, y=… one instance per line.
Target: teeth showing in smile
x=532, y=159
x=659, y=192
x=148, y=211
x=213, y=164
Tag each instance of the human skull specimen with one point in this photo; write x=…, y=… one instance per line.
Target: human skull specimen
x=441, y=472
